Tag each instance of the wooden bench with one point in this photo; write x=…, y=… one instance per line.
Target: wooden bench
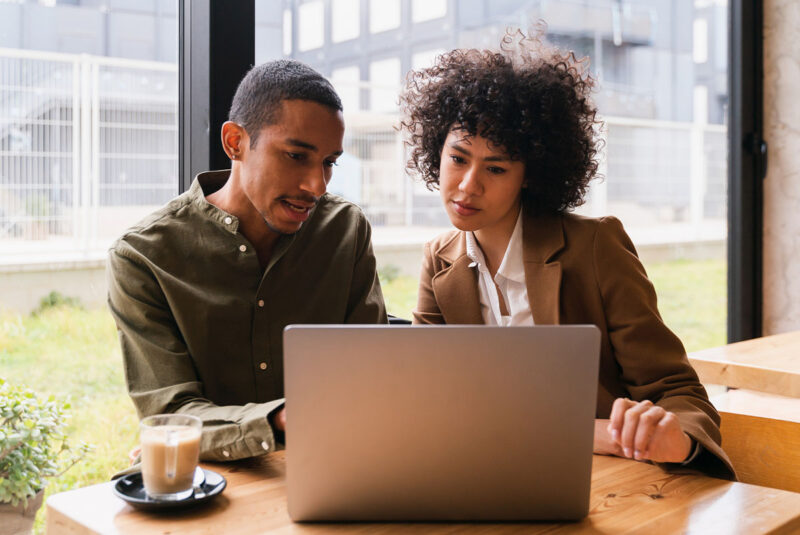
x=761, y=435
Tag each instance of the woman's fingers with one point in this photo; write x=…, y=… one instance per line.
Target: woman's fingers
x=630, y=424
x=648, y=425
x=617, y=418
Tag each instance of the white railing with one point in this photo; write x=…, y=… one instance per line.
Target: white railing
x=88, y=145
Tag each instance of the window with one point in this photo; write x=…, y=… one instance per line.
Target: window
x=347, y=82
x=384, y=15
x=384, y=77
x=345, y=19
x=422, y=10
x=662, y=92
x=310, y=25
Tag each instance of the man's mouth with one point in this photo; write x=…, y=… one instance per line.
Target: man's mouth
x=298, y=207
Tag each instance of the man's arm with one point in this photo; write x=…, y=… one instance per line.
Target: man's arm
x=160, y=373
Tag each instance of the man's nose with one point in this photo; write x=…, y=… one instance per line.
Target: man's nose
x=316, y=182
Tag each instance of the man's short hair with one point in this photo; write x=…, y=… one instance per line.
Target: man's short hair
x=256, y=103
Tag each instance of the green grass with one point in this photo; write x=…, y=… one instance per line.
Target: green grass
x=72, y=352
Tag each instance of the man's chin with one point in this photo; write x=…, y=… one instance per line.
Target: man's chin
x=284, y=230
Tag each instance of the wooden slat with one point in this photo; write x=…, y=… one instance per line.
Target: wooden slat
x=627, y=497
x=761, y=435
x=769, y=364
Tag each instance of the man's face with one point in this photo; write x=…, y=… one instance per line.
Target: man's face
x=289, y=168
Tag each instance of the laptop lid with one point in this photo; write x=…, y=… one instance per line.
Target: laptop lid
x=439, y=423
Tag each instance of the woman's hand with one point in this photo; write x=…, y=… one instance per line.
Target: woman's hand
x=644, y=431
x=603, y=443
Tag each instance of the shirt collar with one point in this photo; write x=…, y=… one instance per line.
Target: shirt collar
x=207, y=183
x=512, y=266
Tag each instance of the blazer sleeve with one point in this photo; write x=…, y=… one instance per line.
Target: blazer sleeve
x=427, y=311
x=652, y=360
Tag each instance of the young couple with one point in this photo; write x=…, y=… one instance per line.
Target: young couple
x=509, y=139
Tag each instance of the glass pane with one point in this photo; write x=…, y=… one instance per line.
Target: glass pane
x=310, y=25
x=88, y=146
x=345, y=19
x=422, y=10
x=383, y=15
x=662, y=93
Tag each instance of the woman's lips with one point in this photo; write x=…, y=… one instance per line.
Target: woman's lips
x=464, y=209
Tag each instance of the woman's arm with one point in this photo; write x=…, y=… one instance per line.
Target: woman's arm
x=652, y=361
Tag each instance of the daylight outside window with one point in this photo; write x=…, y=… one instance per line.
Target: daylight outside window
x=662, y=95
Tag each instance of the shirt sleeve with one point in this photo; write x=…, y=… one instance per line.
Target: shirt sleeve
x=652, y=361
x=365, y=303
x=159, y=371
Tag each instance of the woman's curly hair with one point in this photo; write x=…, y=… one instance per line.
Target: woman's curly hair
x=529, y=98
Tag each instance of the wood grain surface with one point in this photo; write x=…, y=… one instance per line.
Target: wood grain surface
x=768, y=364
x=627, y=497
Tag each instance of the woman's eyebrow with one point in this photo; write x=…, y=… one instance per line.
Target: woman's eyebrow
x=499, y=158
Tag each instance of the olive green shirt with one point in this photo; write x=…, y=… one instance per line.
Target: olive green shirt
x=201, y=323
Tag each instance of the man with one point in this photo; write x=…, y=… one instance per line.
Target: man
x=202, y=289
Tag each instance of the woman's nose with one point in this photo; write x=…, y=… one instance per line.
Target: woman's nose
x=470, y=182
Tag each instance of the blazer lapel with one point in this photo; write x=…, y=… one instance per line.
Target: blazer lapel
x=456, y=286
x=542, y=238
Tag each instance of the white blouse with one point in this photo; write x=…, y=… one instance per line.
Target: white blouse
x=510, y=279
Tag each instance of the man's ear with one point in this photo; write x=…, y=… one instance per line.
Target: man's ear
x=234, y=140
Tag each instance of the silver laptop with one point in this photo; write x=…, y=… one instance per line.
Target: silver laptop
x=439, y=423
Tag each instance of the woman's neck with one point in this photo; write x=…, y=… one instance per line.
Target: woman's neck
x=494, y=240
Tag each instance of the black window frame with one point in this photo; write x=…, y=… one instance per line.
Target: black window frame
x=747, y=164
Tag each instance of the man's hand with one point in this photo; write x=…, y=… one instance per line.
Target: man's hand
x=279, y=420
x=646, y=432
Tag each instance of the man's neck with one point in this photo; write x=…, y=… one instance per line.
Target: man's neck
x=231, y=199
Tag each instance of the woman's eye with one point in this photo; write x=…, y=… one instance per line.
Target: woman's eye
x=496, y=170
x=331, y=163
x=457, y=159
x=295, y=155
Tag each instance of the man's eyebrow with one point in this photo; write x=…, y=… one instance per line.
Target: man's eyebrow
x=455, y=146
x=301, y=144
x=309, y=146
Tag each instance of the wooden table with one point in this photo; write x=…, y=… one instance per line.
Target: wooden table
x=768, y=364
x=627, y=497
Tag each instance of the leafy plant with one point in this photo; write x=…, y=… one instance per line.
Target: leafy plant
x=55, y=299
x=33, y=445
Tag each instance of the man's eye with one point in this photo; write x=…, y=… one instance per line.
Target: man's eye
x=496, y=170
x=295, y=155
x=457, y=159
x=330, y=163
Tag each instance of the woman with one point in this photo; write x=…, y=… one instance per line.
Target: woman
x=508, y=138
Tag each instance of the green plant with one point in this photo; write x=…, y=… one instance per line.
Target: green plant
x=33, y=445
x=54, y=299
x=388, y=273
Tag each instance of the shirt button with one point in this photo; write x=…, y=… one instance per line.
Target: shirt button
x=265, y=445
x=263, y=365
x=225, y=453
x=242, y=248
x=228, y=220
x=261, y=303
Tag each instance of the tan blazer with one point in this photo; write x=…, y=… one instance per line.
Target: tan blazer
x=581, y=270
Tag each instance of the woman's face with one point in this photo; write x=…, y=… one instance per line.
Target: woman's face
x=480, y=185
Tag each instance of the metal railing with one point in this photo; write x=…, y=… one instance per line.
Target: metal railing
x=88, y=145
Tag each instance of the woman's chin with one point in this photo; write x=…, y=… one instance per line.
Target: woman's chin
x=463, y=224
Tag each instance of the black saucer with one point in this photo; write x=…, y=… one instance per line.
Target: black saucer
x=131, y=489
